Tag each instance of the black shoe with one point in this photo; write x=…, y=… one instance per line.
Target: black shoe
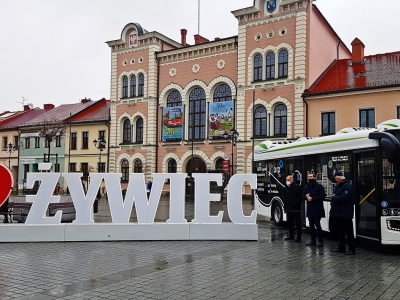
x=288, y=238
x=338, y=250
x=350, y=253
x=311, y=243
x=320, y=244
x=297, y=240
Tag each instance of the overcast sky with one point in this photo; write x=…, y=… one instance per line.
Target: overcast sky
x=54, y=51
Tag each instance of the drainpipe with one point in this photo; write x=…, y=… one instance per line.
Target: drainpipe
x=304, y=100
x=157, y=105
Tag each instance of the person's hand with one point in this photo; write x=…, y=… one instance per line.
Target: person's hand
x=284, y=211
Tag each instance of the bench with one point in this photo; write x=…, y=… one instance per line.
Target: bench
x=18, y=209
x=21, y=210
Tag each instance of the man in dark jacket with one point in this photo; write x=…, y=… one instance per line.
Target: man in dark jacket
x=292, y=207
x=342, y=210
x=314, y=193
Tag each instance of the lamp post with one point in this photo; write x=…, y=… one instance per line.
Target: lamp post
x=9, y=149
x=232, y=139
x=100, y=144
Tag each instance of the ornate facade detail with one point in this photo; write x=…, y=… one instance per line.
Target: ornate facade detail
x=221, y=64
x=196, y=68
x=172, y=72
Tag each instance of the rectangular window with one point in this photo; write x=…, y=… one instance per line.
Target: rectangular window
x=26, y=171
x=5, y=142
x=72, y=167
x=27, y=143
x=85, y=140
x=398, y=112
x=46, y=143
x=102, y=135
x=73, y=140
x=16, y=140
x=37, y=142
x=56, y=168
x=58, y=141
x=101, y=168
x=367, y=118
x=328, y=123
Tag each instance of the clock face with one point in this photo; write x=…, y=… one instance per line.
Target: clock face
x=270, y=5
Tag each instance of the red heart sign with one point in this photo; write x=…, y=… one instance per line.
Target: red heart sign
x=6, y=184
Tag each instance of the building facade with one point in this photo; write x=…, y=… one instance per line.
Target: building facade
x=176, y=107
x=361, y=91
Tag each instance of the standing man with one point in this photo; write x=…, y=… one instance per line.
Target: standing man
x=342, y=209
x=292, y=207
x=314, y=193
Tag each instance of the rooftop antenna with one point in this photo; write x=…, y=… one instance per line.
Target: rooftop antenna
x=23, y=101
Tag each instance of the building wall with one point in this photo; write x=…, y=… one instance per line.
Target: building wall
x=346, y=108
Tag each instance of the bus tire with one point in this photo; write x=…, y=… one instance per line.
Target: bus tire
x=277, y=214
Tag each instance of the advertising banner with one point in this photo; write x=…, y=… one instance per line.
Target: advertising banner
x=221, y=118
x=172, y=123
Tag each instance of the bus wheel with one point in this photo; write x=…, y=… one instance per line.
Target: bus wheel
x=277, y=214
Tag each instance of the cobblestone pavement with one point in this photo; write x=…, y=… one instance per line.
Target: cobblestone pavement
x=267, y=269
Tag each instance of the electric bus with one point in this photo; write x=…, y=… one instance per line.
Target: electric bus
x=369, y=159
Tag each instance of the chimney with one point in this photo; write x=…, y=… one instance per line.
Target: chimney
x=26, y=107
x=198, y=39
x=217, y=39
x=357, y=55
x=48, y=106
x=83, y=101
x=183, y=36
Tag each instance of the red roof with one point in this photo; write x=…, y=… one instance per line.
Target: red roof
x=20, y=118
x=59, y=113
x=98, y=111
x=376, y=71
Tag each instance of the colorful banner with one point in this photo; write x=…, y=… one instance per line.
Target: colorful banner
x=221, y=118
x=172, y=123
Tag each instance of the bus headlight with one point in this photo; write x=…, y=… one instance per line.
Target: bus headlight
x=393, y=225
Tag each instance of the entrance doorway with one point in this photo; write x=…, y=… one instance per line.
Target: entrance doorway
x=194, y=165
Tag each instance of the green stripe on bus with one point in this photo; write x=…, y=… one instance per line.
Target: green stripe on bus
x=391, y=125
x=314, y=144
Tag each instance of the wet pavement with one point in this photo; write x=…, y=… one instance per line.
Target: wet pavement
x=270, y=268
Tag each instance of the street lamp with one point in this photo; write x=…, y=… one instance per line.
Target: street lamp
x=9, y=149
x=100, y=144
x=232, y=139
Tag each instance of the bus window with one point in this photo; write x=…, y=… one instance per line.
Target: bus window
x=391, y=183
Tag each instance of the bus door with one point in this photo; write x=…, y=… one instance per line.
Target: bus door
x=367, y=224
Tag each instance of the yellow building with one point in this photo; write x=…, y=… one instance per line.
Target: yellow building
x=86, y=140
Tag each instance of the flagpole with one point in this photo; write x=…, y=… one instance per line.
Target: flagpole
x=198, y=18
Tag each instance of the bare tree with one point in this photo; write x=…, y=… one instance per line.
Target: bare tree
x=49, y=130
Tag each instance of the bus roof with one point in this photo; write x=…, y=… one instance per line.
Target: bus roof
x=350, y=138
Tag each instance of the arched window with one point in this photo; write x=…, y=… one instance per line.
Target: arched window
x=139, y=130
x=270, y=66
x=174, y=99
x=172, y=166
x=137, y=166
x=218, y=164
x=125, y=170
x=141, y=85
x=260, y=121
x=283, y=64
x=222, y=93
x=280, y=120
x=127, y=132
x=257, y=67
x=133, y=86
x=197, y=114
x=124, y=87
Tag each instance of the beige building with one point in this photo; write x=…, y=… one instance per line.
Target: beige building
x=361, y=91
